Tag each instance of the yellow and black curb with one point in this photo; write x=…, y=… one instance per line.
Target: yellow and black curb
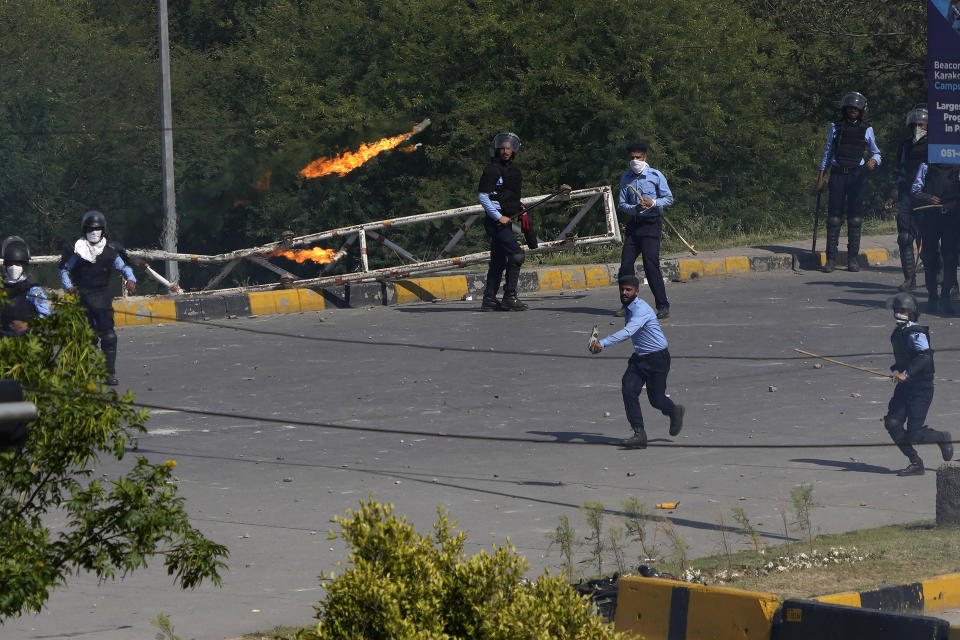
x=660, y=609
x=213, y=306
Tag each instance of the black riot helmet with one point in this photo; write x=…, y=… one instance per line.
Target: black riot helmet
x=93, y=220
x=15, y=251
x=506, y=139
x=853, y=99
x=905, y=303
x=918, y=114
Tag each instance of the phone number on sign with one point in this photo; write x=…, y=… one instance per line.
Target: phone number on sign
x=950, y=153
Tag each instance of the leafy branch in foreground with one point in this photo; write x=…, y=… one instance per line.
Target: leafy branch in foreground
x=105, y=527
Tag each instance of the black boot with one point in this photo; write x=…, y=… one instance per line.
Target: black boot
x=833, y=241
x=638, y=440
x=908, y=263
x=490, y=303
x=946, y=446
x=915, y=468
x=108, y=344
x=676, y=419
x=510, y=284
x=853, y=247
x=510, y=302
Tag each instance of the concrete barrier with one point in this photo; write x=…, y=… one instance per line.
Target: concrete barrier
x=933, y=594
x=658, y=609
x=814, y=620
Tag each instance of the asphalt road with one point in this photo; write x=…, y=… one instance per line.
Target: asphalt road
x=268, y=490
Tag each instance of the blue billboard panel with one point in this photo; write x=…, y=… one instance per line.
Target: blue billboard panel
x=943, y=80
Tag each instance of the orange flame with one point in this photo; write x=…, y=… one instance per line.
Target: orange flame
x=350, y=160
x=316, y=254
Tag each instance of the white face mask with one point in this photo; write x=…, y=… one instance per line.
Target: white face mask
x=637, y=166
x=918, y=133
x=901, y=318
x=93, y=237
x=14, y=271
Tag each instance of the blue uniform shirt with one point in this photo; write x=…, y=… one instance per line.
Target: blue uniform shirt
x=869, y=137
x=650, y=183
x=916, y=342
x=641, y=327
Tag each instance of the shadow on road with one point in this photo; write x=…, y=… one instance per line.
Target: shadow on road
x=848, y=465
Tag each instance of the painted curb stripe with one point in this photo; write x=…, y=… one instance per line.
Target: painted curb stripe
x=679, y=606
x=446, y=287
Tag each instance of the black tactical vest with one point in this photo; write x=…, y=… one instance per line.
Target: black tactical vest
x=16, y=306
x=942, y=181
x=849, y=142
x=914, y=155
x=903, y=356
x=95, y=275
x=508, y=192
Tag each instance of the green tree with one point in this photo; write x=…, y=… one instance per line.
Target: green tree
x=404, y=585
x=103, y=527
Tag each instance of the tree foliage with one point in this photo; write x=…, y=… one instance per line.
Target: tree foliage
x=56, y=518
x=733, y=97
x=404, y=585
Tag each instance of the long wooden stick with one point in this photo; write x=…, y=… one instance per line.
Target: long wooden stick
x=844, y=364
x=669, y=224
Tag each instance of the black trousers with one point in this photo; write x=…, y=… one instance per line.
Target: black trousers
x=650, y=370
x=846, y=196
x=647, y=246
x=941, y=237
x=503, y=245
x=99, y=306
x=909, y=405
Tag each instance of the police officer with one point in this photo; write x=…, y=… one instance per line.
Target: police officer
x=847, y=139
x=24, y=299
x=912, y=152
x=499, y=195
x=85, y=270
x=645, y=226
x=649, y=365
x=936, y=190
x=913, y=376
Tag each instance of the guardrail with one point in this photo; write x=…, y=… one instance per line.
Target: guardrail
x=361, y=233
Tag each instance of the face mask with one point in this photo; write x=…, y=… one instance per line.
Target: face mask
x=14, y=271
x=918, y=133
x=93, y=237
x=901, y=318
x=637, y=166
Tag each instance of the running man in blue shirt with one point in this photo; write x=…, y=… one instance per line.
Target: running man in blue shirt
x=649, y=365
x=847, y=139
x=913, y=375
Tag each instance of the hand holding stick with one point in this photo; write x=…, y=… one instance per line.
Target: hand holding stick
x=844, y=364
x=669, y=224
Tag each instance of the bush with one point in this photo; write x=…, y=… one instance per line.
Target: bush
x=407, y=586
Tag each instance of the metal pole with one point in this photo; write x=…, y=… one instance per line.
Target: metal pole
x=169, y=237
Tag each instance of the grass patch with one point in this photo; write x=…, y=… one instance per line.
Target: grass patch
x=892, y=555
x=277, y=633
